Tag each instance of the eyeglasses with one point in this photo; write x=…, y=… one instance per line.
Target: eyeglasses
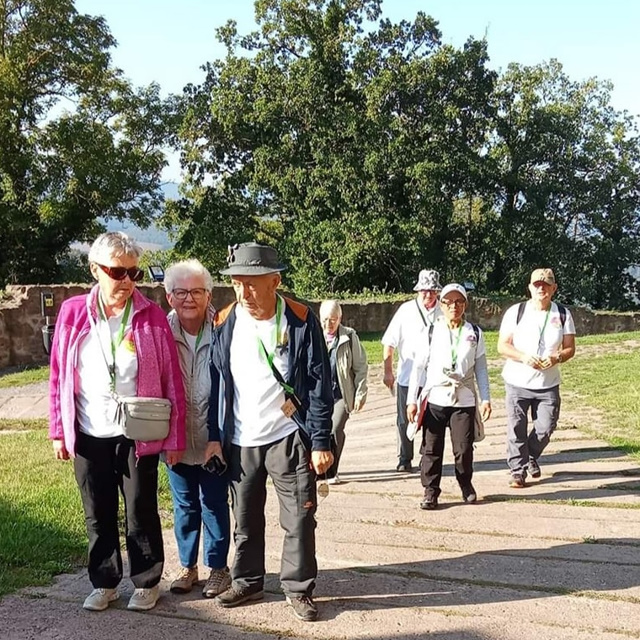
x=120, y=273
x=452, y=303
x=182, y=294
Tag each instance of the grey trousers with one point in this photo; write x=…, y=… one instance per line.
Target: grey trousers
x=339, y=420
x=286, y=462
x=405, y=446
x=544, y=405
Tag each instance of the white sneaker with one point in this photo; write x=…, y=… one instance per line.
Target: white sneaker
x=99, y=599
x=334, y=480
x=144, y=599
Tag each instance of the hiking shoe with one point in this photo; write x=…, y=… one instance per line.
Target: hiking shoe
x=237, y=594
x=304, y=608
x=469, y=494
x=219, y=580
x=534, y=468
x=144, y=599
x=99, y=599
x=517, y=481
x=184, y=581
x=404, y=467
x=429, y=503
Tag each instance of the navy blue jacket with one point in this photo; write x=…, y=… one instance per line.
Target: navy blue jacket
x=309, y=375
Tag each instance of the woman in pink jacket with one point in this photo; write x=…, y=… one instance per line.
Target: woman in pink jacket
x=114, y=341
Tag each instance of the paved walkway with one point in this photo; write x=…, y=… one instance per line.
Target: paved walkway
x=558, y=560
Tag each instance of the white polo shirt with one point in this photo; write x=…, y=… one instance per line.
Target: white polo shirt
x=258, y=396
x=538, y=333
x=408, y=328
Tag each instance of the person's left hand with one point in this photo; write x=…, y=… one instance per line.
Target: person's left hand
x=173, y=457
x=485, y=410
x=321, y=461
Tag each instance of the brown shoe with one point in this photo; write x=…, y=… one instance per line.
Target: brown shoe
x=517, y=481
x=218, y=581
x=184, y=581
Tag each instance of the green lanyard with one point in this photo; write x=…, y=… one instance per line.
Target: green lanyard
x=544, y=326
x=119, y=338
x=270, y=356
x=198, y=337
x=454, y=347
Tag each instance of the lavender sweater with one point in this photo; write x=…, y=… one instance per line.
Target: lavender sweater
x=159, y=374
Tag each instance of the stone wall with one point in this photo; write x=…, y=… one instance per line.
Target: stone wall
x=21, y=318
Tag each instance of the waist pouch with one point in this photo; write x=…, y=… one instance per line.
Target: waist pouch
x=144, y=418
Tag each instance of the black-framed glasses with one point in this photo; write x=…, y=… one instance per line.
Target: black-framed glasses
x=453, y=303
x=120, y=273
x=182, y=294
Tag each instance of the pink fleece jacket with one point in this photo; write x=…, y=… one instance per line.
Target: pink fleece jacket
x=159, y=374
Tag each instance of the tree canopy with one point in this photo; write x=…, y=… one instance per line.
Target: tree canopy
x=77, y=142
x=366, y=150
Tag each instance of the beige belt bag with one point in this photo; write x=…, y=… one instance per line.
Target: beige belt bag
x=144, y=418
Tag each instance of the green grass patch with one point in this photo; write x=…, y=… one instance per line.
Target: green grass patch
x=28, y=375
x=24, y=425
x=42, y=530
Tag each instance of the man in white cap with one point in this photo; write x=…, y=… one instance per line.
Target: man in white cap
x=536, y=337
x=411, y=324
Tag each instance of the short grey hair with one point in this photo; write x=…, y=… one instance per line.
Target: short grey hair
x=329, y=307
x=184, y=269
x=113, y=244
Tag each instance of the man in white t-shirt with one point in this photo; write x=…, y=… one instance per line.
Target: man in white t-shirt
x=270, y=407
x=411, y=324
x=535, y=337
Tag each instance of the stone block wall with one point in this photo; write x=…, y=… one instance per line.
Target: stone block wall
x=21, y=318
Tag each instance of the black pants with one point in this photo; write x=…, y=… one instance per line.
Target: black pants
x=103, y=467
x=287, y=463
x=436, y=420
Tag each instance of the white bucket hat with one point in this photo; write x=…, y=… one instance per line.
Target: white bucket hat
x=428, y=280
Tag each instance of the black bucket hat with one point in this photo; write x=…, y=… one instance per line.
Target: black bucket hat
x=251, y=259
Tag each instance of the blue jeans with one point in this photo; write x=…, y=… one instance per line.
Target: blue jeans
x=200, y=498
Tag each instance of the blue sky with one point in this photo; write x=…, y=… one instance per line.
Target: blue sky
x=167, y=40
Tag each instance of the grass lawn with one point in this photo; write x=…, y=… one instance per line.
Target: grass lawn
x=24, y=376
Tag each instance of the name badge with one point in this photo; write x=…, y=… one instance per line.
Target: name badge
x=288, y=408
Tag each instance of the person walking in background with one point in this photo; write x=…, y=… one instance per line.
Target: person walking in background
x=348, y=373
x=115, y=342
x=271, y=406
x=411, y=326
x=535, y=337
x=200, y=495
x=443, y=376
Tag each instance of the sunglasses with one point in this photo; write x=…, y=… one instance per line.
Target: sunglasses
x=120, y=273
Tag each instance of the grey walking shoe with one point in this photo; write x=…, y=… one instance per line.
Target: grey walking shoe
x=238, y=594
x=219, y=580
x=304, y=608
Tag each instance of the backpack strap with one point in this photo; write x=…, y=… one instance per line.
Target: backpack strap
x=562, y=310
x=476, y=331
x=521, y=308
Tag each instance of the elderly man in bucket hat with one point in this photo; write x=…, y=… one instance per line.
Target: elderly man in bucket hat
x=536, y=337
x=270, y=406
x=412, y=323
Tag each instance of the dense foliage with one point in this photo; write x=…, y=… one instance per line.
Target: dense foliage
x=366, y=150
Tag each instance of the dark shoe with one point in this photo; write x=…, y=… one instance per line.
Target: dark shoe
x=517, y=481
x=237, y=594
x=429, y=503
x=404, y=467
x=469, y=494
x=304, y=608
x=534, y=468
x=218, y=582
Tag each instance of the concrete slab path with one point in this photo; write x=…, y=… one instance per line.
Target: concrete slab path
x=557, y=560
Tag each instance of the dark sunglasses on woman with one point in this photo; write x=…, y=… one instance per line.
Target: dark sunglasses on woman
x=120, y=273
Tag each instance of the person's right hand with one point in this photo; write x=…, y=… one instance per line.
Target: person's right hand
x=389, y=380
x=59, y=450
x=412, y=411
x=214, y=448
x=532, y=361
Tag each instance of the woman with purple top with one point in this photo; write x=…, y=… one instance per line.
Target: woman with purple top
x=115, y=342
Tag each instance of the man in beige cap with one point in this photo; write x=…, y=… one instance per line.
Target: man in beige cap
x=536, y=337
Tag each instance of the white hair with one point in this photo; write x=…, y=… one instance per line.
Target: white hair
x=184, y=269
x=113, y=244
x=330, y=307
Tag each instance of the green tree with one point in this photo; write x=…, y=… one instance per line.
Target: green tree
x=343, y=141
x=78, y=142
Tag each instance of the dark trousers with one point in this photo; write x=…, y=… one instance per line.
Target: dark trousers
x=435, y=422
x=405, y=446
x=339, y=420
x=286, y=462
x=104, y=467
